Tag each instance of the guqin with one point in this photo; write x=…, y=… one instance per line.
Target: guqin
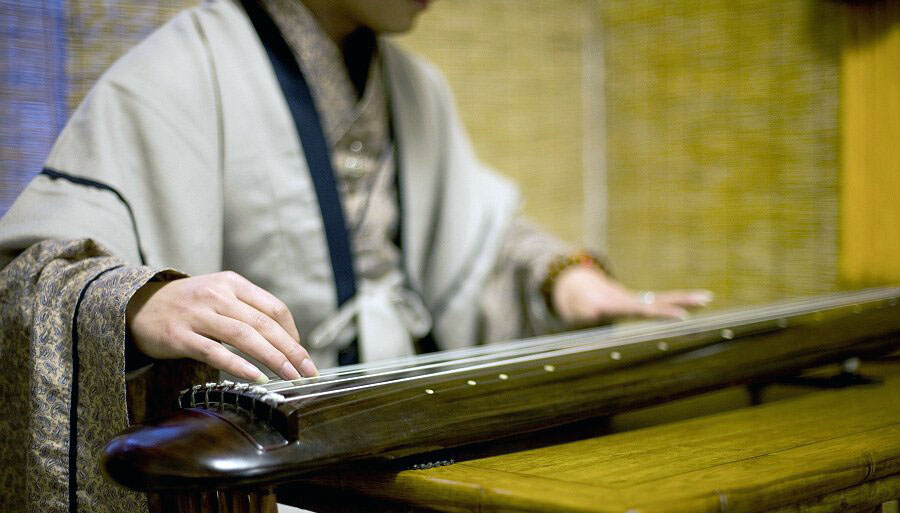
x=230, y=444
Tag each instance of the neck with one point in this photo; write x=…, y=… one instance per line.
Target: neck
x=335, y=23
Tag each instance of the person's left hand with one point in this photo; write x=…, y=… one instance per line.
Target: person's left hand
x=584, y=296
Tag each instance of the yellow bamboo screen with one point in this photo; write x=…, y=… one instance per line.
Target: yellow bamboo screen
x=516, y=69
x=870, y=198
x=711, y=155
x=722, y=122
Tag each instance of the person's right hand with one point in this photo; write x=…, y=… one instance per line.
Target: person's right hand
x=192, y=317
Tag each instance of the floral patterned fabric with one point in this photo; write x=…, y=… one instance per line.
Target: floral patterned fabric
x=69, y=386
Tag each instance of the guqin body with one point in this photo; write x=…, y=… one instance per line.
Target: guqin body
x=230, y=436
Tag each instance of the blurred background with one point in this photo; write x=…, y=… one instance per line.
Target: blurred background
x=746, y=146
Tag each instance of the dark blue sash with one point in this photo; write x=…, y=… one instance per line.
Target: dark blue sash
x=312, y=137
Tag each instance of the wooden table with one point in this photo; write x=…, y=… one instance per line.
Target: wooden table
x=803, y=450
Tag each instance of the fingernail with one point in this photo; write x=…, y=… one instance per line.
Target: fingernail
x=288, y=371
x=260, y=379
x=308, y=368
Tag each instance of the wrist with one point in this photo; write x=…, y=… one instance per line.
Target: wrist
x=135, y=355
x=560, y=266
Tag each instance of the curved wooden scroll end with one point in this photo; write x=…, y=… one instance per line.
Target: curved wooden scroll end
x=194, y=450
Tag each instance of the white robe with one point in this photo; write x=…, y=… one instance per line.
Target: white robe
x=192, y=129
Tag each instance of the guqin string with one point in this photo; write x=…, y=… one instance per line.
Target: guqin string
x=362, y=376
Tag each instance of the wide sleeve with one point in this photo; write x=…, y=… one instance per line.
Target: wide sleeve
x=62, y=308
x=62, y=406
x=512, y=304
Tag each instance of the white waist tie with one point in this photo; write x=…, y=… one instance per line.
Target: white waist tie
x=385, y=316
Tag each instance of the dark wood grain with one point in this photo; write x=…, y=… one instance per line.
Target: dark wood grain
x=454, y=404
x=823, y=451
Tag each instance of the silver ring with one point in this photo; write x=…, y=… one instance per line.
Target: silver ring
x=646, y=297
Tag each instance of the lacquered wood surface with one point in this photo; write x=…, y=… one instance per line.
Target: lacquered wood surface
x=835, y=450
x=408, y=417
x=371, y=414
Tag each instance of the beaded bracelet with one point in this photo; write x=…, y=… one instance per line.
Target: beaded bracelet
x=560, y=264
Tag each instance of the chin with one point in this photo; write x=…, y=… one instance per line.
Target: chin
x=393, y=16
x=395, y=26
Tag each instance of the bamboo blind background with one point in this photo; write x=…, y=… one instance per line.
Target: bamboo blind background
x=516, y=68
x=697, y=142
x=709, y=130
x=723, y=144
x=870, y=185
x=32, y=89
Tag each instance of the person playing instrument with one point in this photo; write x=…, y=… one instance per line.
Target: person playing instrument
x=267, y=187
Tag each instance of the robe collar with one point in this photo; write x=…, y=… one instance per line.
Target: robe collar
x=322, y=63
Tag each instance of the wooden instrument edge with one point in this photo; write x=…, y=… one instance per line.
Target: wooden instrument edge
x=203, y=449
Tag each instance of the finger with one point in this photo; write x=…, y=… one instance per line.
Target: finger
x=242, y=336
x=265, y=302
x=596, y=306
x=685, y=298
x=663, y=310
x=217, y=356
x=626, y=306
x=636, y=311
x=273, y=332
x=653, y=310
